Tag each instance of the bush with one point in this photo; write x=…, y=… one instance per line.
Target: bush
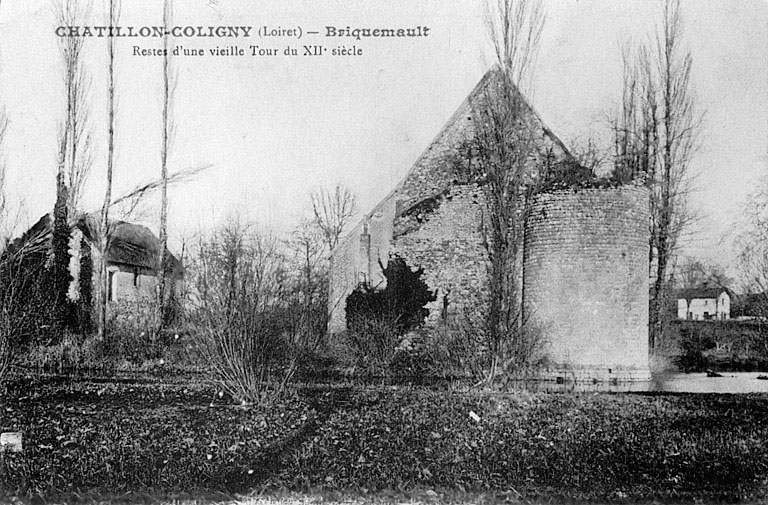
x=27, y=315
x=722, y=345
x=240, y=317
x=373, y=341
x=377, y=319
x=401, y=304
x=6, y=352
x=27, y=302
x=71, y=353
x=457, y=349
x=132, y=332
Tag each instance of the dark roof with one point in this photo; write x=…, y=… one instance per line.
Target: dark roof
x=35, y=239
x=132, y=244
x=136, y=245
x=700, y=293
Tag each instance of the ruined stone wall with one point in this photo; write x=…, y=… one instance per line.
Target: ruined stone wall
x=344, y=276
x=586, y=280
x=358, y=254
x=130, y=286
x=356, y=259
x=447, y=243
x=431, y=218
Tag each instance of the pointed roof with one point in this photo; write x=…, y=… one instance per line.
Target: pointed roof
x=432, y=172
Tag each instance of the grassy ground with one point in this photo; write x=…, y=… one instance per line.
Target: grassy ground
x=166, y=439
x=282, y=497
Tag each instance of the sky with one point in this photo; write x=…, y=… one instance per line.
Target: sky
x=275, y=128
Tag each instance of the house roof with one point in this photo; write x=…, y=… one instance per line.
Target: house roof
x=36, y=238
x=136, y=245
x=700, y=292
x=131, y=244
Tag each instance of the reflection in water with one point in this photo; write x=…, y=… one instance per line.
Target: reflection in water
x=730, y=382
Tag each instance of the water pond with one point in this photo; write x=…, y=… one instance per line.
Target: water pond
x=728, y=382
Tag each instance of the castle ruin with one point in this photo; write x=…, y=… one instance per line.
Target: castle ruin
x=585, y=264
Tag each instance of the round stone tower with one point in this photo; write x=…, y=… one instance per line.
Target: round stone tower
x=586, y=281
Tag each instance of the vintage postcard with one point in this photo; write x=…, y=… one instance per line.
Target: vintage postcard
x=403, y=250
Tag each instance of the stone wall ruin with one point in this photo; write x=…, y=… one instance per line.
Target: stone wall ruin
x=585, y=281
x=594, y=312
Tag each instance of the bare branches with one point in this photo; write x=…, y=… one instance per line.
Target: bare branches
x=590, y=153
x=693, y=273
x=655, y=137
x=141, y=191
x=9, y=218
x=333, y=210
x=75, y=135
x=752, y=243
x=4, y=225
x=240, y=306
x=515, y=27
x=502, y=149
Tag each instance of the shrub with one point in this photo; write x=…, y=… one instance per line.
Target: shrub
x=26, y=298
x=27, y=303
x=456, y=350
x=373, y=340
x=461, y=348
x=239, y=314
x=132, y=332
x=401, y=303
x=5, y=348
x=71, y=353
x=377, y=319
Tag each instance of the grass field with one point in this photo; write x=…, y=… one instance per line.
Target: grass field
x=176, y=440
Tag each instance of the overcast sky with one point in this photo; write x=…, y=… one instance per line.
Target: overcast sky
x=275, y=127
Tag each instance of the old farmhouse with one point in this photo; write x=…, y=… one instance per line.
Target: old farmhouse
x=585, y=257
x=704, y=303
x=132, y=258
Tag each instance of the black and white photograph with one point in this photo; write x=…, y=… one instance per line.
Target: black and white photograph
x=383, y=251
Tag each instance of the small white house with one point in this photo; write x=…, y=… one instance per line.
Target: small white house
x=704, y=303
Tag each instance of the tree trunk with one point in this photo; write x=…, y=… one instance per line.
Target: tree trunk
x=163, y=254
x=105, y=231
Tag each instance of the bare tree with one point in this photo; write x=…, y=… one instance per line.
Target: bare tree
x=75, y=134
x=311, y=286
x=655, y=137
x=5, y=227
x=74, y=161
x=6, y=328
x=752, y=242
x=104, y=223
x=515, y=28
x=694, y=273
x=501, y=150
x=333, y=210
x=240, y=297
x=169, y=82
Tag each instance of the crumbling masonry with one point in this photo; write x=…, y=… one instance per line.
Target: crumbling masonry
x=585, y=271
